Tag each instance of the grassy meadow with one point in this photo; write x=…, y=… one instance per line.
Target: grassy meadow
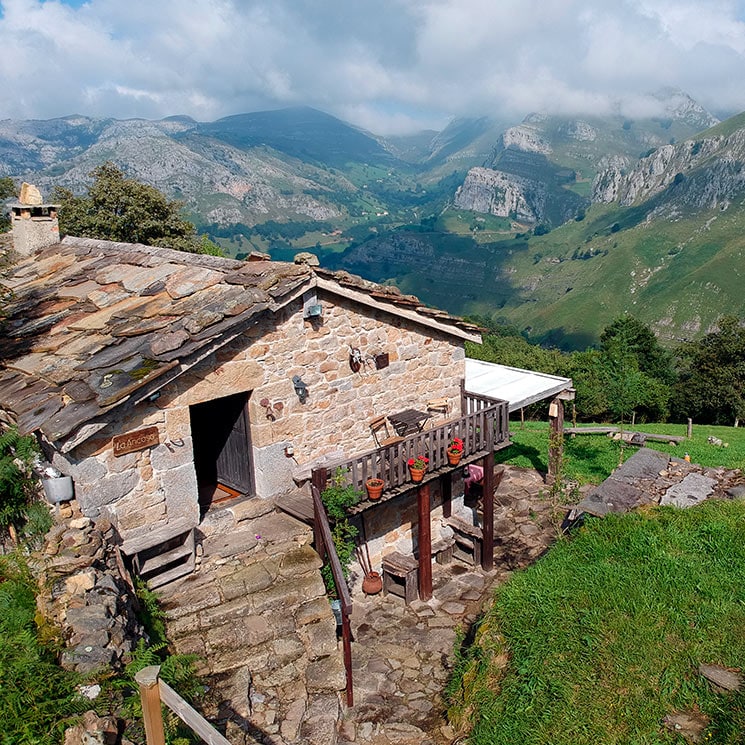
x=601, y=639
x=590, y=458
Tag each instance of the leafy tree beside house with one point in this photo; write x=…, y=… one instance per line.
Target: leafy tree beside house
x=711, y=386
x=117, y=208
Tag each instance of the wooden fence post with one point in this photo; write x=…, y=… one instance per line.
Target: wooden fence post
x=152, y=715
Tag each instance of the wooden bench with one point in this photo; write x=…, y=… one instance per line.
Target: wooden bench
x=469, y=541
x=400, y=576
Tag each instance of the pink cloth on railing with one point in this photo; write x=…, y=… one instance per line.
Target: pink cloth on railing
x=475, y=476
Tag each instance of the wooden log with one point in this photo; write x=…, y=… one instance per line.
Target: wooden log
x=152, y=716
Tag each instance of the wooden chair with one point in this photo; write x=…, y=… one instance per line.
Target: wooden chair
x=381, y=432
x=438, y=406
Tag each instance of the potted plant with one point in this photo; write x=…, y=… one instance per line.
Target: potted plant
x=417, y=467
x=455, y=451
x=337, y=497
x=374, y=488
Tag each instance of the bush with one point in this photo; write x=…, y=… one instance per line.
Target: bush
x=19, y=500
x=337, y=498
x=39, y=698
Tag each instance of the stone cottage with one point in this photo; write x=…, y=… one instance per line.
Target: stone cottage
x=161, y=381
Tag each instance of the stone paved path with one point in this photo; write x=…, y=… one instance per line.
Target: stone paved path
x=402, y=656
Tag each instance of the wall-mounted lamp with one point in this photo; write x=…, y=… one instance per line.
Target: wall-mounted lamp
x=300, y=388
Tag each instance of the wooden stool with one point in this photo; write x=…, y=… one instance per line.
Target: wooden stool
x=469, y=540
x=399, y=576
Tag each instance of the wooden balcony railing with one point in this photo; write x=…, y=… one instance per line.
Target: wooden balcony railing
x=483, y=428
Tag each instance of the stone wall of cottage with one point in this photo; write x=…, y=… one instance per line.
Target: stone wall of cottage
x=143, y=488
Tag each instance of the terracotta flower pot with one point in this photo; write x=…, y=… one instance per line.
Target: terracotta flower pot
x=372, y=584
x=417, y=474
x=374, y=488
x=454, y=457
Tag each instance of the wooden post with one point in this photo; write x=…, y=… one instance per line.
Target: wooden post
x=446, y=485
x=555, y=440
x=152, y=716
x=487, y=552
x=522, y=418
x=689, y=431
x=319, y=478
x=425, y=543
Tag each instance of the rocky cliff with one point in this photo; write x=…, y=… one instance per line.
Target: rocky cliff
x=502, y=194
x=700, y=173
x=535, y=168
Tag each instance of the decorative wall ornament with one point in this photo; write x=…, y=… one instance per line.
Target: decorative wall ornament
x=355, y=359
x=272, y=410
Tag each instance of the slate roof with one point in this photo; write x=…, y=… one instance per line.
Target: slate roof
x=94, y=323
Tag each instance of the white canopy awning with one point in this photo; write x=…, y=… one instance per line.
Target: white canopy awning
x=511, y=384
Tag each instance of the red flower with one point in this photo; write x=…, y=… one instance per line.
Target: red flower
x=456, y=445
x=420, y=461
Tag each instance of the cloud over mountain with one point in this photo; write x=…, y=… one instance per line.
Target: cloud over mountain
x=392, y=65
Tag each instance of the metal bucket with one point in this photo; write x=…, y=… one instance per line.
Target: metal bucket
x=58, y=489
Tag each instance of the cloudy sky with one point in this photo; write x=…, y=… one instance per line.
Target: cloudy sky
x=388, y=65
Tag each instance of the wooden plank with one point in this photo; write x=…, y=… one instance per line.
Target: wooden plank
x=189, y=716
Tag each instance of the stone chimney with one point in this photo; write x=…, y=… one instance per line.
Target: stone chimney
x=34, y=224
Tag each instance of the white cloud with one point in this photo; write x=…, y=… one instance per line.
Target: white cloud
x=392, y=64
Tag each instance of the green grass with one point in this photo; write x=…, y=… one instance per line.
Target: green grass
x=602, y=638
x=592, y=458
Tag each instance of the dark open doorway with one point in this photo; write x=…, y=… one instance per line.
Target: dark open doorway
x=222, y=449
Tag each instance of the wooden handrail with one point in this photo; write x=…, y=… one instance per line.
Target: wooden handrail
x=153, y=692
x=322, y=531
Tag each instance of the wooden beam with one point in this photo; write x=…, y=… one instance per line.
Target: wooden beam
x=425, y=543
x=189, y=716
x=446, y=486
x=487, y=552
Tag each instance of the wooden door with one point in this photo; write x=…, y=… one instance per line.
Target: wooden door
x=233, y=460
x=222, y=445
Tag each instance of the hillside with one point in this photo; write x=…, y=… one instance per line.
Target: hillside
x=289, y=165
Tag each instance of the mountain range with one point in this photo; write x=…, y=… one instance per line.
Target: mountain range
x=554, y=224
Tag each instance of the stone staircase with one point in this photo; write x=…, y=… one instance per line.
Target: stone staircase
x=256, y=614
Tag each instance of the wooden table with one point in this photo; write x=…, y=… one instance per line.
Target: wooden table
x=408, y=421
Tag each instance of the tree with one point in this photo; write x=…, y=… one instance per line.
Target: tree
x=639, y=340
x=122, y=209
x=8, y=189
x=711, y=388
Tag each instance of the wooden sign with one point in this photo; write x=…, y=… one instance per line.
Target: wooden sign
x=137, y=440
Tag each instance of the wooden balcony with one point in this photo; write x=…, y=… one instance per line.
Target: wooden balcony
x=484, y=428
